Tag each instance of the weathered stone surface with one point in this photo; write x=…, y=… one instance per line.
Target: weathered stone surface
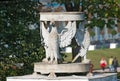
x=97, y=77
x=61, y=68
x=61, y=16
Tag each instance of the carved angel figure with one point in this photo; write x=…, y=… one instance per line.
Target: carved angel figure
x=54, y=38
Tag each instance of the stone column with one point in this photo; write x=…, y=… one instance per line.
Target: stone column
x=106, y=30
x=96, y=33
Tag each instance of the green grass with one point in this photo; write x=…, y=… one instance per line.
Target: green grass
x=96, y=55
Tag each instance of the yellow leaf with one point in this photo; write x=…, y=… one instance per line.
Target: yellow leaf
x=106, y=14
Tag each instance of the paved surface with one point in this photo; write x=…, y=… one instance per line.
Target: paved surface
x=106, y=70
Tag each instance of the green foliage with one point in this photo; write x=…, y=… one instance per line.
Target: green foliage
x=113, y=32
x=92, y=33
x=97, y=22
x=118, y=75
x=19, y=41
x=103, y=9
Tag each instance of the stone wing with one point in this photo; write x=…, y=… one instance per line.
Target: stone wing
x=85, y=44
x=82, y=38
x=68, y=32
x=44, y=33
x=79, y=36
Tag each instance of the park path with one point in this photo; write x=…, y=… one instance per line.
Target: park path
x=106, y=70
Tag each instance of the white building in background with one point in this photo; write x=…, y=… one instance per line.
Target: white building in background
x=106, y=35
x=96, y=33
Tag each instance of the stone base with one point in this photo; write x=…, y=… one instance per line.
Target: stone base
x=44, y=68
x=37, y=77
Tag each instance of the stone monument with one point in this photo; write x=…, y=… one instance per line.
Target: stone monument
x=57, y=30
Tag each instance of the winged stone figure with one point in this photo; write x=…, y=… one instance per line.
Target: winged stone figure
x=83, y=39
x=53, y=40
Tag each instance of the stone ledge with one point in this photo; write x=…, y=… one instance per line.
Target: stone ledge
x=97, y=77
x=61, y=68
x=61, y=16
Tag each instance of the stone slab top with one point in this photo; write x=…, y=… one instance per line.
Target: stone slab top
x=61, y=16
